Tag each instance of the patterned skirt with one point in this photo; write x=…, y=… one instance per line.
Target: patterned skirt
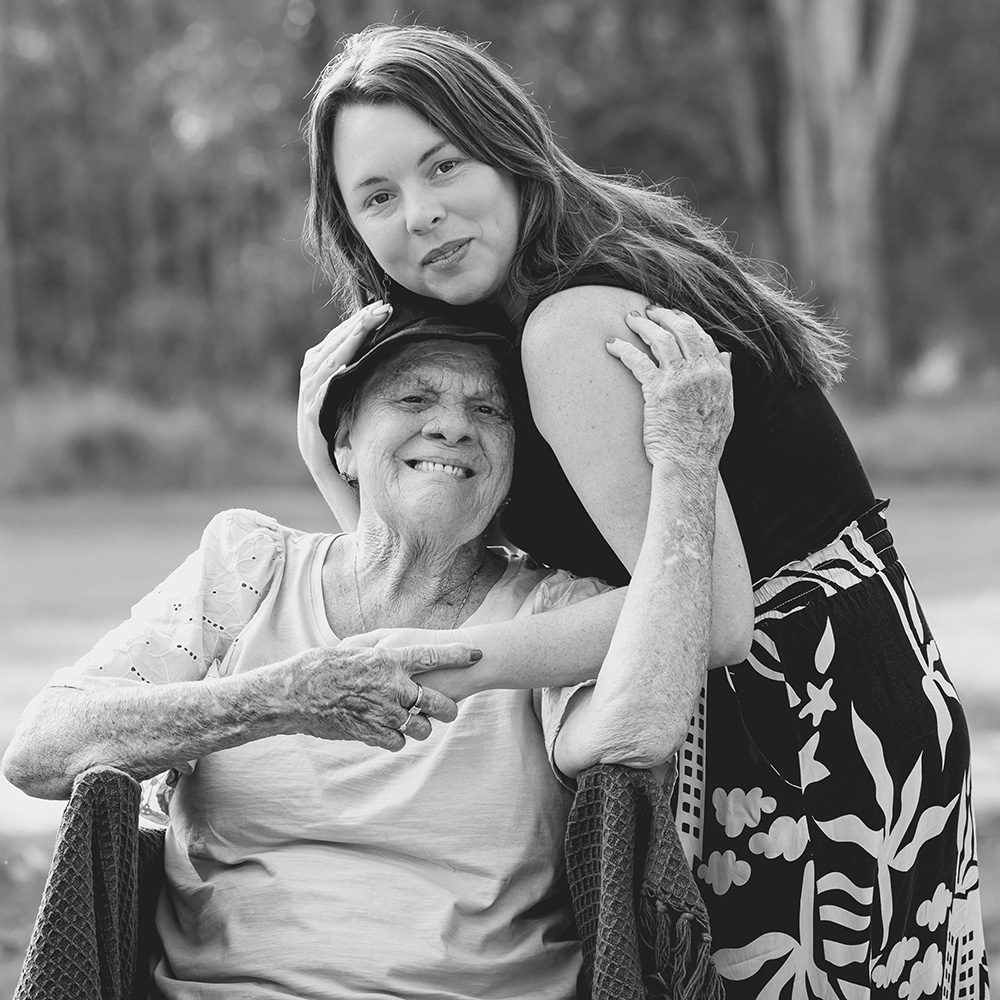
x=824, y=792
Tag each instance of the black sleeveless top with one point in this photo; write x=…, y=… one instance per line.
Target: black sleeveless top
x=791, y=472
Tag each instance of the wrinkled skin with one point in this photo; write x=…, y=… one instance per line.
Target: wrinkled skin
x=686, y=385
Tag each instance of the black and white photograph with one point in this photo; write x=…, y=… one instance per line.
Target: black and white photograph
x=499, y=499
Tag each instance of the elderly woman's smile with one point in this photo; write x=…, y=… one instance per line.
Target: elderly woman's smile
x=429, y=465
x=431, y=441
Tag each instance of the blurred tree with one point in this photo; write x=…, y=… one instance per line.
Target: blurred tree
x=155, y=175
x=843, y=63
x=942, y=199
x=8, y=261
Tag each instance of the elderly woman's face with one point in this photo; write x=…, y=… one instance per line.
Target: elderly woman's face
x=438, y=222
x=432, y=445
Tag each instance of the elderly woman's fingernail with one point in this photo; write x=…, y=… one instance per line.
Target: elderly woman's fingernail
x=383, y=307
x=476, y=654
x=635, y=313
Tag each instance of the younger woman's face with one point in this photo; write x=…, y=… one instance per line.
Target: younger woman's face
x=437, y=221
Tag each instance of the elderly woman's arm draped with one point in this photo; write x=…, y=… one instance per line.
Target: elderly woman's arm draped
x=149, y=696
x=638, y=711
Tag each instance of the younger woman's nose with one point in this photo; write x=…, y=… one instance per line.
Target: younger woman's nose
x=423, y=213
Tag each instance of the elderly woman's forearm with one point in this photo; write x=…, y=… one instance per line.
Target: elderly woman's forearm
x=143, y=731
x=641, y=706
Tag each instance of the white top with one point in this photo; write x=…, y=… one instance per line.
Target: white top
x=312, y=868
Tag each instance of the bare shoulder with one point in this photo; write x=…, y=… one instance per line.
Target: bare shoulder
x=577, y=390
x=570, y=319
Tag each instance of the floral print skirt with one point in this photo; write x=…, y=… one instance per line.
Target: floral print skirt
x=824, y=792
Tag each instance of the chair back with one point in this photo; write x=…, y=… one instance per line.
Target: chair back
x=95, y=930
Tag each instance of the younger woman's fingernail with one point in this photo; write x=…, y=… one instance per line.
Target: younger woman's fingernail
x=476, y=654
x=383, y=307
x=636, y=313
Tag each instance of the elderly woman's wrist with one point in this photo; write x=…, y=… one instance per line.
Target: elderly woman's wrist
x=261, y=703
x=691, y=483
x=697, y=465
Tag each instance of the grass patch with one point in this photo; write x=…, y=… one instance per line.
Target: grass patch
x=69, y=437
x=988, y=837
x=60, y=436
x=24, y=862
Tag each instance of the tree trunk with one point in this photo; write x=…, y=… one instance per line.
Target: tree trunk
x=8, y=261
x=843, y=63
x=73, y=144
x=140, y=208
x=9, y=367
x=750, y=136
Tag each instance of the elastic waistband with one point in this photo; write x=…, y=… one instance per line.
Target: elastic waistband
x=861, y=550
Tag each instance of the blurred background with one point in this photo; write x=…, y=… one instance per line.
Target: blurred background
x=155, y=301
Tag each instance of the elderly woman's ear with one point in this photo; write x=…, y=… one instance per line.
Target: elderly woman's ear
x=344, y=453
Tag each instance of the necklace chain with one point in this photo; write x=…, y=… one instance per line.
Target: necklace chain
x=458, y=614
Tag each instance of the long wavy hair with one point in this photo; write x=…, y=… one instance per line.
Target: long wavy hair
x=571, y=218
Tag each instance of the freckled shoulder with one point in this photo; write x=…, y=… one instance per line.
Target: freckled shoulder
x=570, y=319
x=589, y=407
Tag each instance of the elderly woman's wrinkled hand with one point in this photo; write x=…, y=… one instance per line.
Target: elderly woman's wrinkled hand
x=365, y=694
x=687, y=388
x=443, y=678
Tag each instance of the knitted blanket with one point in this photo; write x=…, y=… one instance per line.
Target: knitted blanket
x=94, y=931
x=642, y=921
x=641, y=918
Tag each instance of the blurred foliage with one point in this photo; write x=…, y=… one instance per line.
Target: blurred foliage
x=152, y=173
x=74, y=437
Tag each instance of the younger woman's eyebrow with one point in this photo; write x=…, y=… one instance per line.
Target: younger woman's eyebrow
x=369, y=181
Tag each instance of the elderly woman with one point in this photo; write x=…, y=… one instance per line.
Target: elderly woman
x=302, y=859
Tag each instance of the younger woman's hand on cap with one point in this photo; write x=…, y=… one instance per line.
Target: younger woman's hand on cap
x=336, y=350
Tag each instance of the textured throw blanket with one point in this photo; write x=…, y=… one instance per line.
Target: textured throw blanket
x=643, y=923
x=94, y=930
x=639, y=913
